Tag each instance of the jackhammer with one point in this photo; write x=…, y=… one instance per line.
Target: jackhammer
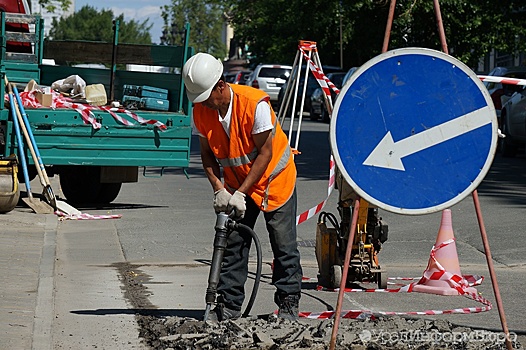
x=224, y=227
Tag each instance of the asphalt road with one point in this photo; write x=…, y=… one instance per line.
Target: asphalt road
x=166, y=233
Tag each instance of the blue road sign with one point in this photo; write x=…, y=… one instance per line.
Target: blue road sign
x=414, y=131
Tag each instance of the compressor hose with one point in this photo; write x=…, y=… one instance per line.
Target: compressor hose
x=224, y=227
x=259, y=264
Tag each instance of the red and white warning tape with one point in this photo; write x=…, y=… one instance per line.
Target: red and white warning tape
x=322, y=79
x=84, y=216
x=459, y=283
x=325, y=83
x=406, y=289
x=316, y=209
x=86, y=110
x=472, y=280
x=502, y=80
x=139, y=119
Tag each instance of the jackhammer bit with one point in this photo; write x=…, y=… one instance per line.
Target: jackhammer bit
x=220, y=243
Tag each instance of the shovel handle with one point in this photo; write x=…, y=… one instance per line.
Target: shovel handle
x=26, y=129
x=20, y=143
x=29, y=144
x=31, y=137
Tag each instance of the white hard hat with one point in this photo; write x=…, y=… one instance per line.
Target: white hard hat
x=200, y=74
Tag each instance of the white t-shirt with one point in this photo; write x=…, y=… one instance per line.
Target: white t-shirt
x=262, y=119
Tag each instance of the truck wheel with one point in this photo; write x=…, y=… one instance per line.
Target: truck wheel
x=336, y=276
x=108, y=192
x=31, y=173
x=381, y=277
x=81, y=184
x=76, y=188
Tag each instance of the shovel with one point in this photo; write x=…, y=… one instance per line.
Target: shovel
x=38, y=206
x=41, y=170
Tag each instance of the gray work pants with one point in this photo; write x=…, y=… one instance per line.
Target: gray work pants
x=287, y=273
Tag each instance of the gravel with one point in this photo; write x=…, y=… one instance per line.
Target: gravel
x=164, y=332
x=391, y=332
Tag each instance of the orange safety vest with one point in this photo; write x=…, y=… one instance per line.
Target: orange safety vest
x=237, y=153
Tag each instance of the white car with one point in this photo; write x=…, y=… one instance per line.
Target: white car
x=269, y=78
x=513, y=124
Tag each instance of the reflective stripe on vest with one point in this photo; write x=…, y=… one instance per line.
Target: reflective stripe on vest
x=279, y=167
x=238, y=161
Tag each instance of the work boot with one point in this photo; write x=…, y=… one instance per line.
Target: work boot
x=223, y=313
x=288, y=306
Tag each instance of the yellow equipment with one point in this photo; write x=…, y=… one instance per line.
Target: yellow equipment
x=331, y=242
x=9, y=190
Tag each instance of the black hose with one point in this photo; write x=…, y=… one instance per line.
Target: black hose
x=259, y=255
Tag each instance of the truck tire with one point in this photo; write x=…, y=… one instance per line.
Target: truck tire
x=108, y=192
x=81, y=184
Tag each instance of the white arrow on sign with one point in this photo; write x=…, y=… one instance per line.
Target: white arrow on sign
x=388, y=154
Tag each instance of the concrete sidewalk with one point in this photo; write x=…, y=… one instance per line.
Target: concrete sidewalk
x=52, y=272
x=27, y=252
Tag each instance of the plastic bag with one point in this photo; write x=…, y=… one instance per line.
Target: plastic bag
x=73, y=85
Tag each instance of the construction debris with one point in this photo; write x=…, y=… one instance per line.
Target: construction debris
x=269, y=332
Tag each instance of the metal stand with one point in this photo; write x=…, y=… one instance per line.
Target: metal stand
x=306, y=50
x=485, y=242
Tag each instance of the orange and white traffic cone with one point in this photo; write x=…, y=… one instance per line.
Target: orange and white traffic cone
x=442, y=275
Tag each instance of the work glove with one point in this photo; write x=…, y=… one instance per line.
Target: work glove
x=238, y=205
x=221, y=199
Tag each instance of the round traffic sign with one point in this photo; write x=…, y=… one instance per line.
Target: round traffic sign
x=414, y=131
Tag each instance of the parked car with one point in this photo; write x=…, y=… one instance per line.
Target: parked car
x=269, y=78
x=238, y=77
x=501, y=93
x=312, y=84
x=318, y=107
x=513, y=124
x=348, y=75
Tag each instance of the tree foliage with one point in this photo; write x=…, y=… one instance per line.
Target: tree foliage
x=206, y=25
x=471, y=28
x=272, y=28
x=51, y=5
x=90, y=24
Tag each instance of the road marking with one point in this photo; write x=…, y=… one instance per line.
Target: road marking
x=388, y=154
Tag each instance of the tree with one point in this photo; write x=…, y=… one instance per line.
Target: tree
x=272, y=28
x=206, y=25
x=472, y=28
x=51, y=5
x=90, y=24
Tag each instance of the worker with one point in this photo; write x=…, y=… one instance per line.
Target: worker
x=238, y=130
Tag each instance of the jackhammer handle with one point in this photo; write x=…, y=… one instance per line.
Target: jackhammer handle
x=215, y=267
x=220, y=243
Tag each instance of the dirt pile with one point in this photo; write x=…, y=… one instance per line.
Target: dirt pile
x=272, y=333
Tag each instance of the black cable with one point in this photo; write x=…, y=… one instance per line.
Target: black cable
x=259, y=264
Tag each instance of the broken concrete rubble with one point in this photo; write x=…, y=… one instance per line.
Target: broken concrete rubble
x=268, y=332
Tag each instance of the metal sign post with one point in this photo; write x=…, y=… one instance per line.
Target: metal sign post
x=415, y=132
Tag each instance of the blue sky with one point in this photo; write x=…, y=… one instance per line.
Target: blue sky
x=132, y=9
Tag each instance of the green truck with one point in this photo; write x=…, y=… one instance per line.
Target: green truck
x=92, y=163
